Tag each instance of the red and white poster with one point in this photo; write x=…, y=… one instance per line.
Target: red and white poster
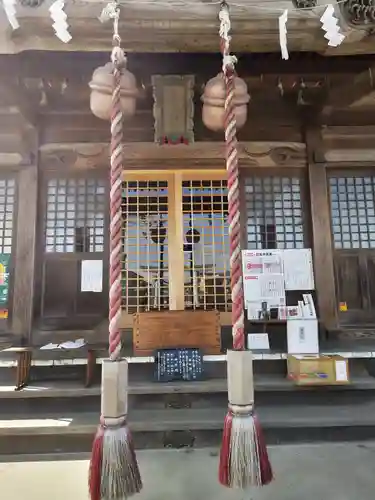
x=263, y=280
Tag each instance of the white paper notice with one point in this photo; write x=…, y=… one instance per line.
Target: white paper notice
x=341, y=371
x=258, y=341
x=298, y=269
x=252, y=289
x=92, y=276
x=253, y=309
x=73, y=344
x=265, y=288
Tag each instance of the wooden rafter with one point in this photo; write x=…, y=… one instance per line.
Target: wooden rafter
x=11, y=94
x=354, y=90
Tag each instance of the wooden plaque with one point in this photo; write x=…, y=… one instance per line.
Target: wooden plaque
x=174, y=106
x=168, y=329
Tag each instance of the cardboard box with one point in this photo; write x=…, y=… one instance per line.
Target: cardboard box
x=318, y=370
x=302, y=336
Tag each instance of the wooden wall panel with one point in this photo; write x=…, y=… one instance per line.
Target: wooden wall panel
x=84, y=127
x=321, y=231
x=24, y=263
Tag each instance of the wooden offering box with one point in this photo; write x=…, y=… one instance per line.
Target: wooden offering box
x=168, y=329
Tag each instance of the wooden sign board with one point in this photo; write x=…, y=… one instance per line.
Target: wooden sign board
x=172, y=329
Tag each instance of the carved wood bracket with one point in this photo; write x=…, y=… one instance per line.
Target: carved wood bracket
x=146, y=155
x=359, y=14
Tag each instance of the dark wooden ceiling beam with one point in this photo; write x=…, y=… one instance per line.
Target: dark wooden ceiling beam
x=43, y=64
x=347, y=94
x=12, y=95
x=355, y=117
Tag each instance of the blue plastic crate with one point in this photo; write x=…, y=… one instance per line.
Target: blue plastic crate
x=178, y=364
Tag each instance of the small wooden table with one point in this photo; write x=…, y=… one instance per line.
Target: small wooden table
x=24, y=356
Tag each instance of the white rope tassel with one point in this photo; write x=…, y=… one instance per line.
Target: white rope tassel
x=244, y=454
x=117, y=454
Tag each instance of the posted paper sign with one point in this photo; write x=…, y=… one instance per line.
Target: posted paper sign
x=341, y=371
x=265, y=288
x=92, y=276
x=302, y=336
x=298, y=269
x=258, y=341
x=262, y=262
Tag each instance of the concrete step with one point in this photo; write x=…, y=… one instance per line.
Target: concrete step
x=62, y=416
x=59, y=396
x=72, y=432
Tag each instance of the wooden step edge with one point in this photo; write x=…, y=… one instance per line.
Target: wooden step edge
x=263, y=384
x=189, y=420
x=270, y=384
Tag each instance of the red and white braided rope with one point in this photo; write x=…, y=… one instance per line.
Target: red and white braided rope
x=115, y=244
x=238, y=330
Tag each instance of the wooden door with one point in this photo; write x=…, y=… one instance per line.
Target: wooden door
x=205, y=242
x=73, y=230
x=175, y=232
x=352, y=198
x=355, y=286
x=145, y=263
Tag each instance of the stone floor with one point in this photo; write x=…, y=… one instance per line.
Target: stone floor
x=303, y=472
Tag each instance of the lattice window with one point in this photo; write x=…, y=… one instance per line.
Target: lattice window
x=274, y=212
x=75, y=215
x=7, y=204
x=145, y=282
x=353, y=211
x=206, y=245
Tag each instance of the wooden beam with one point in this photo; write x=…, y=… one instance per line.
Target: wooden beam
x=24, y=264
x=146, y=155
x=353, y=36
x=48, y=64
x=355, y=116
x=343, y=96
x=12, y=95
x=175, y=244
x=321, y=230
x=127, y=320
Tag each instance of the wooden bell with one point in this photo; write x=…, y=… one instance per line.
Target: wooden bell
x=213, y=98
x=101, y=87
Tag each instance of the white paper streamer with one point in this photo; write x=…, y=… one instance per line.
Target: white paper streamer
x=59, y=18
x=10, y=11
x=283, y=19
x=330, y=25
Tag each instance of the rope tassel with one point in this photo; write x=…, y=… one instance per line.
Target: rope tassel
x=114, y=473
x=243, y=457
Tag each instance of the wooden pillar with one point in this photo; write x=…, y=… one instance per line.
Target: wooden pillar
x=321, y=229
x=24, y=261
x=175, y=244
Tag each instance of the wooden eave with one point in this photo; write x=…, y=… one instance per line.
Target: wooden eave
x=191, y=27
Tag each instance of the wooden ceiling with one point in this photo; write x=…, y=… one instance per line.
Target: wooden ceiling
x=191, y=26
x=47, y=82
